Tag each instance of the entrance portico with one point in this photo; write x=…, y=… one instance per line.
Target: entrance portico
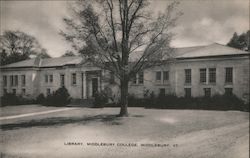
x=90, y=83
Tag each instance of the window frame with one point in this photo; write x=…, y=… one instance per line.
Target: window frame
x=14, y=91
x=5, y=91
x=188, y=76
x=229, y=75
x=212, y=75
x=23, y=80
x=162, y=91
x=73, y=79
x=11, y=80
x=165, y=75
x=207, y=91
x=5, y=81
x=46, y=77
x=51, y=78
x=158, y=76
x=23, y=91
x=203, y=75
x=141, y=77
x=228, y=91
x=62, y=80
x=48, y=91
x=188, y=92
x=112, y=77
x=16, y=80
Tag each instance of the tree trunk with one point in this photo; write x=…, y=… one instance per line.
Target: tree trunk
x=124, y=98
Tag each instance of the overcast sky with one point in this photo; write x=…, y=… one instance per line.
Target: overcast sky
x=203, y=22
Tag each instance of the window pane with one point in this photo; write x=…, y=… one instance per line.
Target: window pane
x=187, y=92
x=228, y=91
x=48, y=91
x=188, y=76
x=162, y=92
x=4, y=91
x=62, y=80
x=112, y=77
x=51, y=78
x=141, y=78
x=74, y=78
x=23, y=80
x=229, y=75
x=23, y=91
x=165, y=75
x=16, y=80
x=46, y=78
x=11, y=80
x=212, y=75
x=207, y=92
x=203, y=75
x=5, y=80
x=14, y=91
x=158, y=75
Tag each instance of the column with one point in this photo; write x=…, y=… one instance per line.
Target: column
x=102, y=79
x=84, y=85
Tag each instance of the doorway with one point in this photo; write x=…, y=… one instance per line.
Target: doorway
x=94, y=86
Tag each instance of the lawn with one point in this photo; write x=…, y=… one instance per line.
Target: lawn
x=164, y=133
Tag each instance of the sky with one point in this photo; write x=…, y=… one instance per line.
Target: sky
x=203, y=22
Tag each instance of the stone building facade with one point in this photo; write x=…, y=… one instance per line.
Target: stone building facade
x=196, y=71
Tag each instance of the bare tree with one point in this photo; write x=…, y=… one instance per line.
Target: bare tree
x=68, y=53
x=17, y=46
x=43, y=54
x=121, y=36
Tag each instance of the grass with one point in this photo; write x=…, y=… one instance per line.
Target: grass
x=197, y=133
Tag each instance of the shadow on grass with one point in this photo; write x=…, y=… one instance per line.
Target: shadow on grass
x=60, y=121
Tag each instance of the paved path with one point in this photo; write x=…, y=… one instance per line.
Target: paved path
x=35, y=113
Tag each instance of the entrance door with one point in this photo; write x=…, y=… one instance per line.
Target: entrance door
x=94, y=86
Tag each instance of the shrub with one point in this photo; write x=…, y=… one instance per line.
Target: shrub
x=60, y=97
x=217, y=102
x=40, y=98
x=135, y=102
x=12, y=99
x=100, y=99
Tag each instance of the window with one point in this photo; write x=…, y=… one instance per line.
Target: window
x=187, y=92
x=165, y=75
x=162, y=91
x=62, y=80
x=228, y=91
x=51, y=78
x=158, y=75
x=134, y=79
x=188, y=76
x=207, y=92
x=212, y=75
x=48, y=91
x=14, y=91
x=203, y=75
x=23, y=80
x=141, y=77
x=16, y=80
x=23, y=91
x=229, y=75
x=5, y=91
x=46, y=78
x=112, y=77
x=12, y=80
x=73, y=78
x=4, y=80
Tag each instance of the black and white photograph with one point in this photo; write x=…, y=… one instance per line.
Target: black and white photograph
x=124, y=78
